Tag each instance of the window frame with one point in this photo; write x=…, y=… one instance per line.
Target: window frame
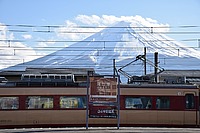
x=18, y=101
x=136, y=97
x=72, y=96
x=163, y=108
x=40, y=106
x=193, y=102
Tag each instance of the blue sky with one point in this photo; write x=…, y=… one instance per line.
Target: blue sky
x=55, y=12
x=91, y=12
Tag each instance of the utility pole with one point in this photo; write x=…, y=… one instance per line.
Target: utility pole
x=156, y=66
x=114, y=68
x=145, y=62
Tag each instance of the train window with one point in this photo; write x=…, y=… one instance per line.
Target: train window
x=72, y=102
x=57, y=77
x=39, y=102
x=189, y=101
x=51, y=77
x=38, y=76
x=44, y=76
x=163, y=102
x=138, y=102
x=26, y=76
x=9, y=103
x=32, y=76
x=68, y=77
x=62, y=77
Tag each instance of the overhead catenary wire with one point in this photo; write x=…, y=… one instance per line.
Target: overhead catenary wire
x=48, y=29
x=97, y=41
x=113, y=32
x=51, y=29
x=84, y=26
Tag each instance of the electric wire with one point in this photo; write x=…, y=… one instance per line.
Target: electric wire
x=24, y=28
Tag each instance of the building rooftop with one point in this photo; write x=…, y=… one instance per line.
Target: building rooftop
x=187, y=73
x=75, y=71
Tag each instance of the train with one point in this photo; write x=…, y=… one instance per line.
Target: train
x=48, y=77
x=164, y=105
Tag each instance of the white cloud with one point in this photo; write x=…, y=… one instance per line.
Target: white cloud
x=42, y=44
x=89, y=20
x=148, y=22
x=46, y=43
x=71, y=31
x=103, y=21
x=12, y=53
x=27, y=36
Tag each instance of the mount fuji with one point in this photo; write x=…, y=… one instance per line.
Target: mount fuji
x=122, y=42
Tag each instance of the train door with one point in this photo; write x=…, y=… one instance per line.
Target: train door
x=190, y=111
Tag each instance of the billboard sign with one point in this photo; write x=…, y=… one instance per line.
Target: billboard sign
x=103, y=112
x=103, y=90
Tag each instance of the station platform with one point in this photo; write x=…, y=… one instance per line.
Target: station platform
x=102, y=130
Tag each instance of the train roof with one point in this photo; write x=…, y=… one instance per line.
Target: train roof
x=125, y=89
x=154, y=85
x=84, y=84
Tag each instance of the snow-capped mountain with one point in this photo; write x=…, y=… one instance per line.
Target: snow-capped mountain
x=122, y=42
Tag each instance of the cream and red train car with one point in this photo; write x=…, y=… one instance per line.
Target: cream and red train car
x=140, y=105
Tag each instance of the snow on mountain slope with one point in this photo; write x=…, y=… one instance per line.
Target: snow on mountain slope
x=99, y=48
x=122, y=43
x=162, y=43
